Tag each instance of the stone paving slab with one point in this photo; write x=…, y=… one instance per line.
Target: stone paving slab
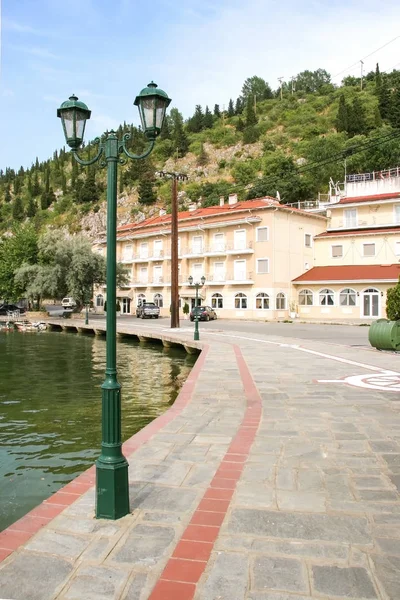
x=296, y=501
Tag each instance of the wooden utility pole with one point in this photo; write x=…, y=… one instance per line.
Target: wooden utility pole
x=280, y=79
x=362, y=70
x=174, y=245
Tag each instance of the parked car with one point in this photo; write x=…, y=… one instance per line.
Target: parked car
x=148, y=310
x=205, y=313
x=9, y=308
x=68, y=302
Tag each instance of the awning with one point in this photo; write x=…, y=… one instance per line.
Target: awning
x=125, y=294
x=191, y=294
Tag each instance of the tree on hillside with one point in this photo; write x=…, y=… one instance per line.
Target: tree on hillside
x=394, y=113
x=31, y=208
x=384, y=99
x=378, y=80
x=239, y=106
x=280, y=176
x=341, y=118
x=178, y=135
x=251, y=118
x=217, y=112
x=356, y=118
x=231, y=108
x=196, y=123
x=256, y=86
x=18, y=213
x=146, y=192
x=312, y=81
x=208, y=120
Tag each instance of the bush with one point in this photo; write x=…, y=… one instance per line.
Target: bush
x=393, y=303
x=185, y=309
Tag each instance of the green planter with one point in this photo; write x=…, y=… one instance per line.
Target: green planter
x=385, y=335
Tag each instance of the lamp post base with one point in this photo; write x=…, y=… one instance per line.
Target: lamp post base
x=112, y=490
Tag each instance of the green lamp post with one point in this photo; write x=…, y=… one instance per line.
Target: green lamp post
x=196, y=312
x=112, y=490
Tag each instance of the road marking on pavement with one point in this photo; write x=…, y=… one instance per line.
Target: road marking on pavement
x=385, y=381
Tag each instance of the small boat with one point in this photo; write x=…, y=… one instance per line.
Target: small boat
x=28, y=326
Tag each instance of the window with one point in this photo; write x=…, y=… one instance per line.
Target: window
x=240, y=300
x=217, y=301
x=197, y=244
x=350, y=217
x=157, y=274
x=337, y=251
x=219, y=271
x=99, y=300
x=262, y=265
x=141, y=299
x=262, y=301
x=368, y=249
x=197, y=272
x=307, y=240
x=326, y=297
x=397, y=248
x=347, y=297
x=280, y=301
x=143, y=275
x=127, y=252
x=157, y=247
x=158, y=300
x=397, y=213
x=262, y=234
x=240, y=239
x=143, y=250
x=218, y=242
x=239, y=270
x=306, y=298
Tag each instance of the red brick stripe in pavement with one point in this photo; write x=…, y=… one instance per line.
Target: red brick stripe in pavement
x=189, y=560
x=22, y=530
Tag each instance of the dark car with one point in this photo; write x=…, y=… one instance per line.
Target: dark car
x=5, y=309
x=205, y=313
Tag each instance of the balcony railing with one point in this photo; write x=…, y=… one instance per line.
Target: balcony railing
x=374, y=175
x=239, y=277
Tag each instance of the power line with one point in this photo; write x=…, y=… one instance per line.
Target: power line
x=365, y=57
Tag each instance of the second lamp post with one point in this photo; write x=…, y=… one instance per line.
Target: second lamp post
x=197, y=285
x=112, y=489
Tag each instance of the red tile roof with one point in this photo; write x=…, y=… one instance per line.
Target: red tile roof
x=375, y=198
x=351, y=273
x=358, y=231
x=153, y=223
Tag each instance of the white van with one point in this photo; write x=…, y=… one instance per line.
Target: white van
x=68, y=303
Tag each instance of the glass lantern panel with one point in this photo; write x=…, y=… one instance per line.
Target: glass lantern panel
x=147, y=113
x=80, y=124
x=160, y=111
x=68, y=123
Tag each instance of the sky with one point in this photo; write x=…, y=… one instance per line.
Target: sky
x=198, y=51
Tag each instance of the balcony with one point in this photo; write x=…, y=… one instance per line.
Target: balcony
x=157, y=281
x=239, y=278
x=215, y=250
x=215, y=279
x=244, y=248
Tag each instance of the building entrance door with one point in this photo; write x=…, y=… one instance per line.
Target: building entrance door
x=370, y=304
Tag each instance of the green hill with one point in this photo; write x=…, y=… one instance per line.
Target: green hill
x=290, y=141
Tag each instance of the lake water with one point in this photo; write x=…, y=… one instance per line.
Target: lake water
x=50, y=407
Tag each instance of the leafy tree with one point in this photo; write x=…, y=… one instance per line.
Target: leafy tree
x=231, y=108
x=251, y=135
x=251, y=118
x=394, y=115
x=178, y=135
x=202, y=159
x=217, y=112
x=312, y=81
x=384, y=99
x=31, y=208
x=281, y=176
x=356, y=118
x=15, y=250
x=36, y=185
x=341, y=118
x=18, y=209
x=89, y=191
x=240, y=126
x=208, y=121
x=165, y=133
x=7, y=194
x=256, y=86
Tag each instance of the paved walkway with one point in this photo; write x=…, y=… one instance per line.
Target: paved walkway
x=262, y=482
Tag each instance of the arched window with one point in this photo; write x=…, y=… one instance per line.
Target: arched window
x=347, y=297
x=158, y=300
x=326, y=297
x=140, y=299
x=240, y=300
x=217, y=301
x=99, y=301
x=306, y=298
x=262, y=301
x=280, y=301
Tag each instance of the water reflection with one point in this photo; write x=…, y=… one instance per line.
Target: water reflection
x=50, y=407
